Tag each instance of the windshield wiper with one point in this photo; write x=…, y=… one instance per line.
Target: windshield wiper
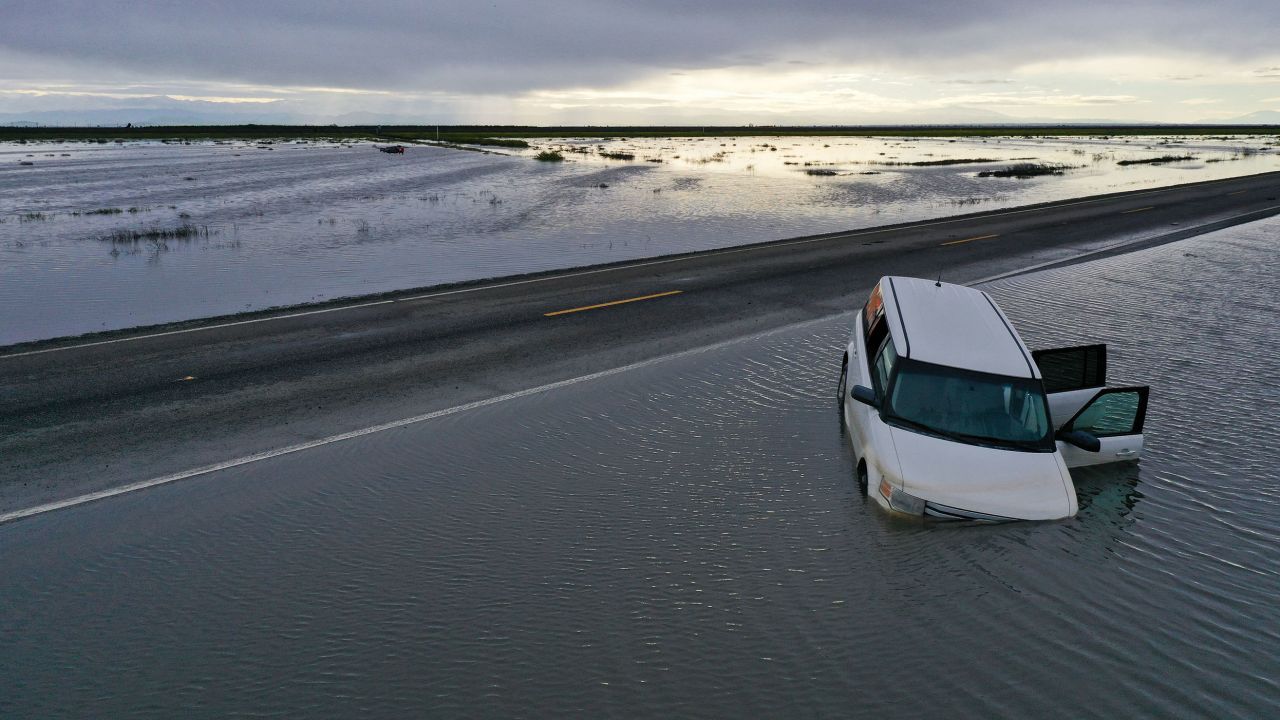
x=1039, y=445
x=966, y=437
x=927, y=429
x=1001, y=442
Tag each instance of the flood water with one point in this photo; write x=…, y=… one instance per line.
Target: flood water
x=100, y=237
x=687, y=539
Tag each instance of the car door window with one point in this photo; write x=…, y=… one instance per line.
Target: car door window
x=873, y=314
x=883, y=366
x=1072, y=368
x=1113, y=412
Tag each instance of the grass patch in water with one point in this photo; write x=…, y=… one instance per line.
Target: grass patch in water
x=452, y=138
x=185, y=231
x=936, y=163
x=490, y=141
x=1027, y=170
x=1157, y=160
x=617, y=155
x=549, y=156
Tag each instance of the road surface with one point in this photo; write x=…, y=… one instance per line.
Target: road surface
x=81, y=415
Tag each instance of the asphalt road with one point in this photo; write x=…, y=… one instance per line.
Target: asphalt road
x=80, y=415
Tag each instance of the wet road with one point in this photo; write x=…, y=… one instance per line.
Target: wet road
x=686, y=539
x=81, y=418
x=266, y=226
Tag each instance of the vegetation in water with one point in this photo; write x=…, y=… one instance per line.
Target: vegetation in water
x=185, y=231
x=1157, y=160
x=936, y=163
x=452, y=138
x=1026, y=170
x=549, y=156
x=490, y=141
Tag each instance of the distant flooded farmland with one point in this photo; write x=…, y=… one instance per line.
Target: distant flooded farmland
x=104, y=236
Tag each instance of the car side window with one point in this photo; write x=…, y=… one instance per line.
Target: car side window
x=883, y=367
x=874, y=328
x=872, y=314
x=1114, y=413
x=875, y=338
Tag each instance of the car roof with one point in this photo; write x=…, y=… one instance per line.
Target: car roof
x=953, y=325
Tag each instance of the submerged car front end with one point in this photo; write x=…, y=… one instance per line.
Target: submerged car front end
x=973, y=445
x=948, y=480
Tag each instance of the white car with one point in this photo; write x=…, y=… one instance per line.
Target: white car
x=951, y=416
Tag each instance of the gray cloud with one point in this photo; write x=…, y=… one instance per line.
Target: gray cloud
x=509, y=46
x=960, y=81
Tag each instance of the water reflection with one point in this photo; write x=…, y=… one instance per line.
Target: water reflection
x=689, y=539
x=1108, y=491
x=112, y=236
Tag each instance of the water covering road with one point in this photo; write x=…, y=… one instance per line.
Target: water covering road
x=284, y=224
x=687, y=539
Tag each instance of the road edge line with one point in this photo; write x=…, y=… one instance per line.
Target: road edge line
x=1190, y=232
x=638, y=263
x=43, y=508
x=15, y=515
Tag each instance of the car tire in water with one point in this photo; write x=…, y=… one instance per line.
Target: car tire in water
x=862, y=477
x=843, y=387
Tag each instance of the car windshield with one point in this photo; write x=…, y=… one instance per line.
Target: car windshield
x=972, y=407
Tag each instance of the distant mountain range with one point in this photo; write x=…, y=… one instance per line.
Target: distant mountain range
x=1261, y=117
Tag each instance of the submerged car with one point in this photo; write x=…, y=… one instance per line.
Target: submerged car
x=952, y=417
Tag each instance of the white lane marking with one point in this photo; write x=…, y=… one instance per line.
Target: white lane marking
x=268, y=454
x=1115, y=246
x=195, y=329
x=710, y=253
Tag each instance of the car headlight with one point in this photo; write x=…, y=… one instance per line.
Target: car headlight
x=901, y=500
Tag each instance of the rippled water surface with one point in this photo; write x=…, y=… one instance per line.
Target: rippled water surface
x=687, y=539
x=83, y=243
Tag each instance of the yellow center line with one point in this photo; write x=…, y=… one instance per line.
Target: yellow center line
x=612, y=303
x=1238, y=192
x=980, y=237
x=1150, y=207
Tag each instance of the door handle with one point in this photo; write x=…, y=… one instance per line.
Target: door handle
x=1125, y=452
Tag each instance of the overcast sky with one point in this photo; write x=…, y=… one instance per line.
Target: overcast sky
x=644, y=61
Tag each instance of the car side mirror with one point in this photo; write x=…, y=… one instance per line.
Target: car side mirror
x=864, y=395
x=1081, y=439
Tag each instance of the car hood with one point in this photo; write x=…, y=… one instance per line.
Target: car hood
x=1007, y=483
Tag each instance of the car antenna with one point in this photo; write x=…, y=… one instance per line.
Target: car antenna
x=939, y=282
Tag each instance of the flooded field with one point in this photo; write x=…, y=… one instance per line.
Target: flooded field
x=687, y=539
x=104, y=236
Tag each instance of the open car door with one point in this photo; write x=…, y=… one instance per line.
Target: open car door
x=1072, y=377
x=1115, y=416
